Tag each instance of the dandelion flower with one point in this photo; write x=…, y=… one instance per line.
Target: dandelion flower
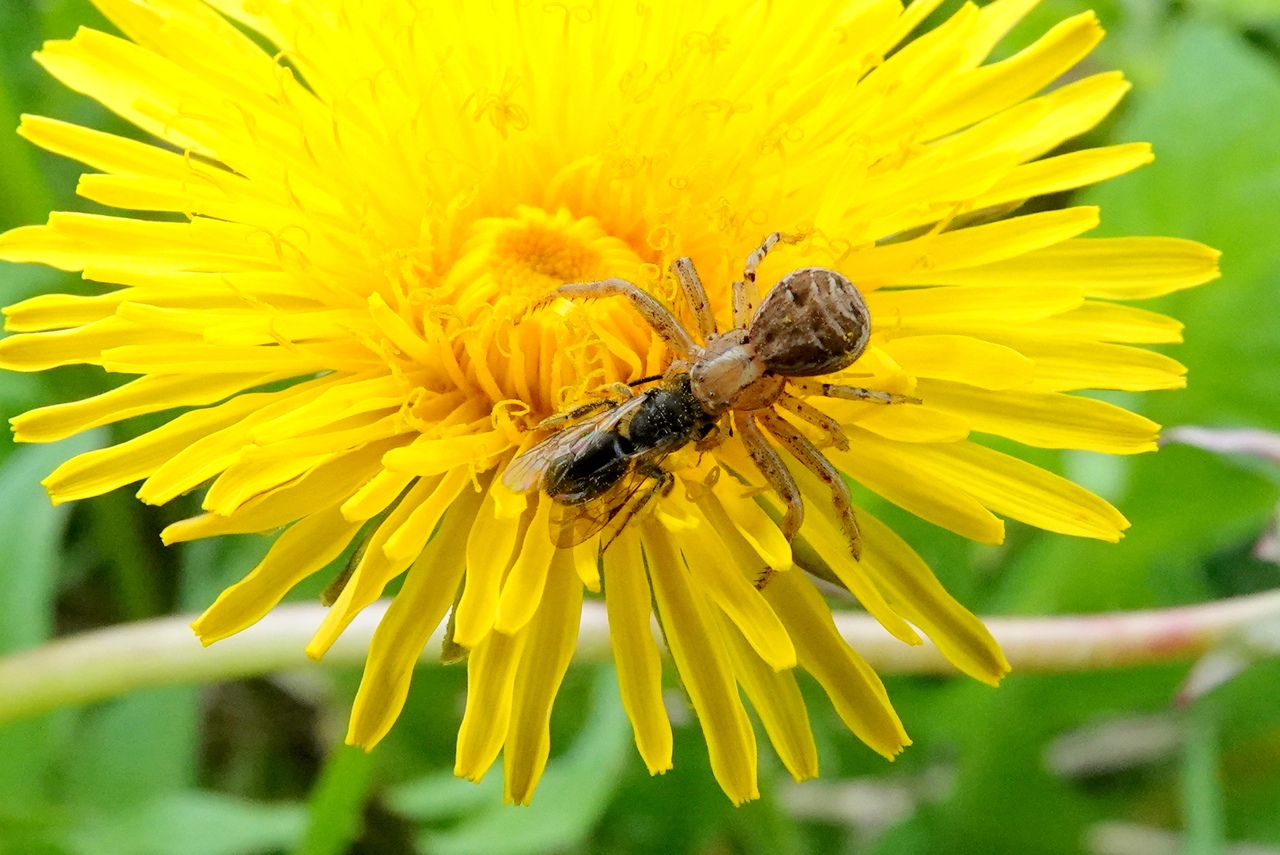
x=344, y=232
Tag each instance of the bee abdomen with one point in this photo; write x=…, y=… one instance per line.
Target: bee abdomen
x=814, y=321
x=589, y=471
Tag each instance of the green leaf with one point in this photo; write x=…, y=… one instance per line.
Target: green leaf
x=337, y=804
x=190, y=823
x=1203, y=807
x=1213, y=115
x=24, y=193
x=571, y=798
x=1214, y=120
x=1246, y=12
x=133, y=749
x=31, y=533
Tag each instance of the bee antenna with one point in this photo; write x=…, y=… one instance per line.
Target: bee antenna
x=642, y=380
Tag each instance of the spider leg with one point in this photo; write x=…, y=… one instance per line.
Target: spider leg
x=754, y=259
x=745, y=293
x=770, y=464
x=817, y=418
x=853, y=393
x=745, y=298
x=811, y=458
x=695, y=295
x=654, y=313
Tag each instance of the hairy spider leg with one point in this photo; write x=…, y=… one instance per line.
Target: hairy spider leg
x=815, y=417
x=654, y=313
x=746, y=296
x=811, y=458
x=745, y=299
x=774, y=471
x=852, y=393
x=696, y=296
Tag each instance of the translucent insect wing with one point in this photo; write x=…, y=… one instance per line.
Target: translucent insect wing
x=574, y=524
x=526, y=471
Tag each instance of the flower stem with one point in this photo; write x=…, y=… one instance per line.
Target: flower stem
x=161, y=652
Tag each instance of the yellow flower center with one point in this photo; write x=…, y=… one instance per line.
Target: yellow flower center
x=553, y=355
x=531, y=258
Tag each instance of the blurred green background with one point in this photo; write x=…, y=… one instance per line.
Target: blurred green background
x=1097, y=763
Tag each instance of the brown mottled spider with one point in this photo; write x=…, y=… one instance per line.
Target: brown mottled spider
x=813, y=322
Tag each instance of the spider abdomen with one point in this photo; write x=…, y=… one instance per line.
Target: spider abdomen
x=814, y=321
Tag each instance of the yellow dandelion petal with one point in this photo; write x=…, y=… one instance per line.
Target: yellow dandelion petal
x=857, y=693
x=491, y=677
x=145, y=395
x=100, y=471
x=959, y=308
x=426, y=595
x=348, y=299
x=737, y=519
x=918, y=596
x=327, y=484
x=701, y=656
x=917, y=424
x=1097, y=321
x=1069, y=111
x=1022, y=491
x=892, y=470
x=306, y=547
x=963, y=248
x=962, y=359
x=522, y=590
x=984, y=91
x=715, y=564
x=1047, y=419
x=553, y=633
x=1133, y=268
x=412, y=534
x=1066, y=172
x=489, y=552
x=634, y=653
x=826, y=537
x=382, y=561
x=775, y=696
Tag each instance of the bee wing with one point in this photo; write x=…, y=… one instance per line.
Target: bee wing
x=526, y=471
x=574, y=524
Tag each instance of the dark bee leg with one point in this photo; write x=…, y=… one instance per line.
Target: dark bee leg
x=577, y=413
x=808, y=455
x=817, y=418
x=661, y=483
x=654, y=313
x=711, y=440
x=774, y=471
x=854, y=393
x=695, y=295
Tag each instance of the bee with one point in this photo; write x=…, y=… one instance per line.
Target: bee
x=814, y=321
x=601, y=471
